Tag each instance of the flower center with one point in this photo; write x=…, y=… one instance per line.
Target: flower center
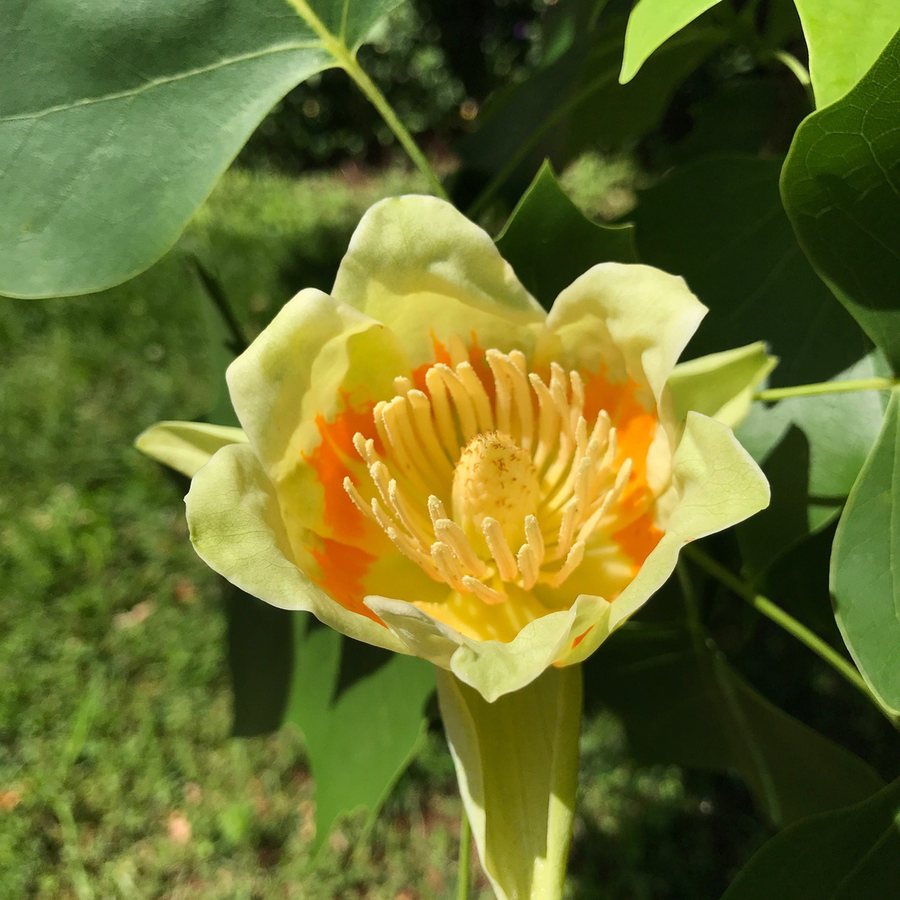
x=527, y=479
x=494, y=479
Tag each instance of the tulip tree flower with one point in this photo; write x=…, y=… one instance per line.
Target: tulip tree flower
x=431, y=463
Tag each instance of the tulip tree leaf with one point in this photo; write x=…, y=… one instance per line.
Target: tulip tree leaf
x=361, y=711
x=840, y=189
x=848, y=854
x=811, y=459
x=260, y=661
x=681, y=703
x=651, y=24
x=719, y=222
x=844, y=38
x=549, y=242
x=116, y=119
x=865, y=565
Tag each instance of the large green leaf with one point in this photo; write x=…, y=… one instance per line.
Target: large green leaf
x=865, y=565
x=811, y=458
x=844, y=38
x=681, y=703
x=361, y=711
x=840, y=189
x=849, y=854
x=719, y=222
x=549, y=242
x=116, y=119
x=651, y=24
x=260, y=661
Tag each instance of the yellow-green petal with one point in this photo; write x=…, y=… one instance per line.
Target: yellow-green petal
x=186, y=446
x=301, y=391
x=493, y=668
x=517, y=765
x=421, y=267
x=237, y=528
x=721, y=385
x=716, y=484
x=314, y=354
x=634, y=320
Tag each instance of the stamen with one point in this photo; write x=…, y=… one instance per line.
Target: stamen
x=609, y=499
x=447, y=531
x=402, y=385
x=436, y=509
x=480, y=400
x=515, y=457
x=535, y=537
x=407, y=450
x=482, y=591
x=447, y=565
x=411, y=521
x=497, y=544
x=357, y=499
x=573, y=560
x=548, y=422
x=501, y=389
x=443, y=417
x=465, y=408
x=421, y=415
x=528, y=566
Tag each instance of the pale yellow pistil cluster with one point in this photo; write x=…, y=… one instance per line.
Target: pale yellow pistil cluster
x=484, y=492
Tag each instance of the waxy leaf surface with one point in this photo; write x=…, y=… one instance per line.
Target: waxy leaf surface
x=841, y=190
x=683, y=704
x=844, y=38
x=849, y=854
x=117, y=118
x=549, y=242
x=719, y=222
x=865, y=565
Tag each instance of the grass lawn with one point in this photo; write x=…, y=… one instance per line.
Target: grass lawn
x=118, y=778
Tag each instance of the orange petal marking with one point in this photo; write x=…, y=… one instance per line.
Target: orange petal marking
x=635, y=430
x=342, y=565
x=342, y=569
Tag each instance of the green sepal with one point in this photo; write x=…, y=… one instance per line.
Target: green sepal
x=186, y=447
x=517, y=764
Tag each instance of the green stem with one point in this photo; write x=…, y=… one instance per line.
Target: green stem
x=828, y=387
x=465, y=845
x=216, y=294
x=348, y=62
x=800, y=72
x=794, y=64
x=783, y=619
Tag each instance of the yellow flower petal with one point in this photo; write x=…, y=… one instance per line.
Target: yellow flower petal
x=421, y=267
x=237, y=529
x=716, y=484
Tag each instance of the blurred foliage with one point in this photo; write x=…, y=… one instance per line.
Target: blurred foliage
x=435, y=61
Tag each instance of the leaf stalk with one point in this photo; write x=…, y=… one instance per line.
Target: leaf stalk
x=785, y=620
x=346, y=59
x=827, y=387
